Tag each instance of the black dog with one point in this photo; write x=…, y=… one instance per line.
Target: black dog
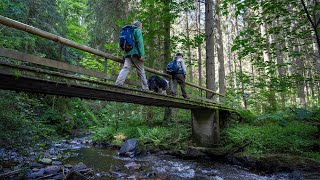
x=158, y=84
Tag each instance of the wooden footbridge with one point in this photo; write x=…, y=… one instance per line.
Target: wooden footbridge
x=25, y=72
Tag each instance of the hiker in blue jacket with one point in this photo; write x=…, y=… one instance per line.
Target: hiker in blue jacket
x=180, y=76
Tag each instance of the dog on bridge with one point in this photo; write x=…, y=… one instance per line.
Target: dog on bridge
x=157, y=84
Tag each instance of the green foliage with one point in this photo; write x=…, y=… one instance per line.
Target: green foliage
x=273, y=118
x=26, y=118
x=17, y=113
x=90, y=62
x=287, y=24
x=105, y=135
x=156, y=135
x=294, y=137
x=246, y=115
x=124, y=121
x=279, y=132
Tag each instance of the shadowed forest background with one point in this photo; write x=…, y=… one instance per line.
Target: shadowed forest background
x=263, y=55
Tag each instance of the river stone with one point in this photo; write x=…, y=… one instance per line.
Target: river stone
x=128, y=148
x=32, y=175
x=133, y=165
x=45, y=161
x=79, y=167
x=75, y=176
x=151, y=174
x=52, y=169
x=59, y=176
x=28, y=173
x=39, y=173
x=68, y=166
x=296, y=175
x=118, y=174
x=52, y=151
x=36, y=165
x=35, y=169
x=56, y=163
x=132, y=177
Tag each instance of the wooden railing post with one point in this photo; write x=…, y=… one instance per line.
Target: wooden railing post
x=105, y=65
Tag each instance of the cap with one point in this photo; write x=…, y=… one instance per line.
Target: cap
x=179, y=54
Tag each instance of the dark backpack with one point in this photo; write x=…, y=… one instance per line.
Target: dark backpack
x=172, y=67
x=126, y=42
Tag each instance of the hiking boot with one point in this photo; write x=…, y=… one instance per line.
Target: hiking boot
x=186, y=97
x=145, y=90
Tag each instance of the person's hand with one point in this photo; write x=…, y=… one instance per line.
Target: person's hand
x=141, y=59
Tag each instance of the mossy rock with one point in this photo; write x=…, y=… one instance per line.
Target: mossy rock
x=45, y=161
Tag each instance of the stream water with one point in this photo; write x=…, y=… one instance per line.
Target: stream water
x=109, y=165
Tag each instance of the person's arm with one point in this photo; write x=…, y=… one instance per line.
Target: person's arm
x=140, y=44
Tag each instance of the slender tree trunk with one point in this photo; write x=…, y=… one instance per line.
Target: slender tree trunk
x=229, y=60
x=189, y=48
x=316, y=59
x=314, y=24
x=167, y=25
x=199, y=44
x=281, y=71
x=153, y=56
x=242, y=87
x=293, y=98
x=235, y=56
x=266, y=57
x=315, y=36
x=222, y=76
x=30, y=16
x=210, y=63
x=300, y=83
x=318, y=85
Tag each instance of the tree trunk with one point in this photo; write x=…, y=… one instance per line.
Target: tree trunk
x=300, y=83
x=167, y=25
x=222, y=76
x=199, y=45
x=318, y=85
x=189, y=48
x=316, y=59
x=235, y=57
x=242, y=87
x=281, y=71
x=210, y=64
x=315, y=27
x=266, y=58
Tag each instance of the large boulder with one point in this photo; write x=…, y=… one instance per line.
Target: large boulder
x=129, y=148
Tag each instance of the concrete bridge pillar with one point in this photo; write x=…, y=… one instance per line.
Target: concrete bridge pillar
x=206, y=127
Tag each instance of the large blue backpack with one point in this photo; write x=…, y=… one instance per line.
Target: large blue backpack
x=172, y=67
x=126, y=42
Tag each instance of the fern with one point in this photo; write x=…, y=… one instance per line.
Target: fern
x=278, y=118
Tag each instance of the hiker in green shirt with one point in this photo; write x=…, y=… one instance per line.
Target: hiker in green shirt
x=134, y=57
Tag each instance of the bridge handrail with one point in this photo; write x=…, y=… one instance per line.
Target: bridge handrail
x=32, y=30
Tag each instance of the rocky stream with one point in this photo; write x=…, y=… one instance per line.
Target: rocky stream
x=79, y=158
